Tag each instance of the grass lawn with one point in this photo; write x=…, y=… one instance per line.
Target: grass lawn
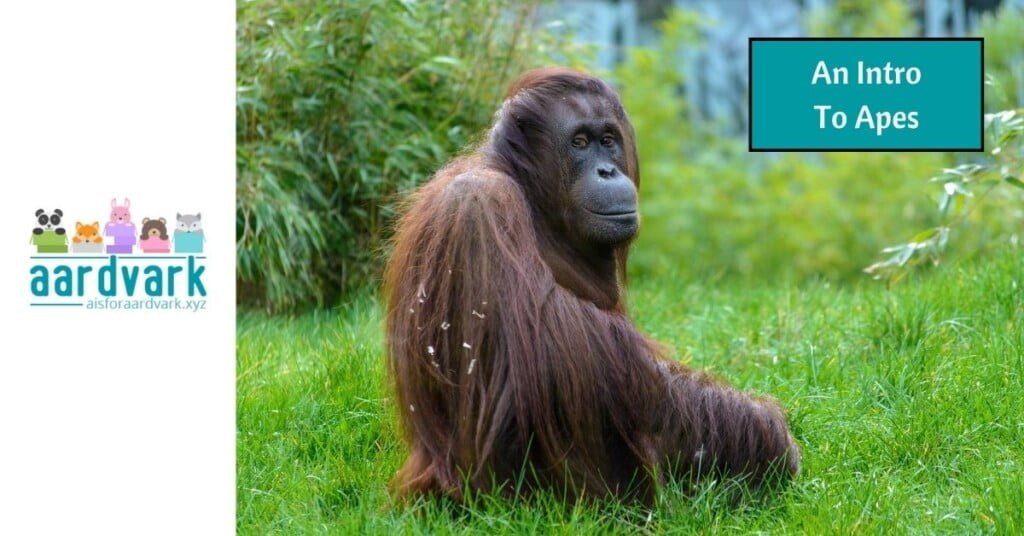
x=909, y=405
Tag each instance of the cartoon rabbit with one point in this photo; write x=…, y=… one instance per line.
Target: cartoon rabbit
x=120, y=227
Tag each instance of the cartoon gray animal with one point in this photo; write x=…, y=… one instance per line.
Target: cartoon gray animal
x=190, y=223
x=188, y=233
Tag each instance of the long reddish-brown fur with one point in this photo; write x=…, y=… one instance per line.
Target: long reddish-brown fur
x=514, y=364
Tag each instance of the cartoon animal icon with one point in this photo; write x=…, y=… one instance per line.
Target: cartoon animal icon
x=87, y=234
x=49, y=221
x=188, y=234
x=49, y=236
x=87, y=238
x=120, y=228
x=120, y=213
x=154, y=237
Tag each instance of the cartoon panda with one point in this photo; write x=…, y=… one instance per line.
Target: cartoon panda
x=49, y=221
x=49, y=236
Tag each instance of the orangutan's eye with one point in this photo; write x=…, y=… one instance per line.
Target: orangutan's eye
x=579, y=141
x=608, y=140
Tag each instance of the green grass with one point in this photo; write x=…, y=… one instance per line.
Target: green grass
x=909, y=405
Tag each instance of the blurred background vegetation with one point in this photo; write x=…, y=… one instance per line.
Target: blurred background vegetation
x=343, y=107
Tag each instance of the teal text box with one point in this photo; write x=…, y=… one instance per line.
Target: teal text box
x=945, y=94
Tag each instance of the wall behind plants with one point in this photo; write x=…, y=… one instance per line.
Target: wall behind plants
x=341, y=107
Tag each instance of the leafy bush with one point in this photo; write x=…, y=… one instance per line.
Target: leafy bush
x=997, y=179
x=341, y=107
x=979, y=203
x=727, y=213
x=712, y=208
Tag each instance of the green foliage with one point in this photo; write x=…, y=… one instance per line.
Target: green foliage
x=649, y=82
x=997, y=180
x=342, y=106
x=906, y=403
x=862, y=18
x=710, y=207
x=980, y=201
x=1003, y=31
x=765, y=217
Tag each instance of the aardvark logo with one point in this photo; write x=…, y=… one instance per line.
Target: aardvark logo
x=117, y=265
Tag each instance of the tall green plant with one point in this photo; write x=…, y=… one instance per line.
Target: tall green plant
x=341, y=106
x=993, y=182
x=980, y=203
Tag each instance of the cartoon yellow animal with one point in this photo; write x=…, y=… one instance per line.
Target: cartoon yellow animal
x=87, y=234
